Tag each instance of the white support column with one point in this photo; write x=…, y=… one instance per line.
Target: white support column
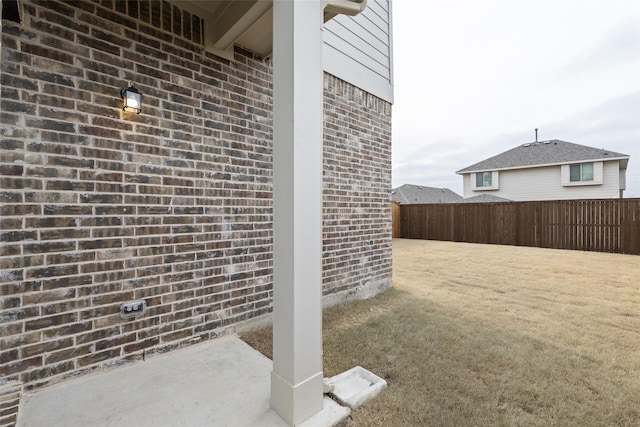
x=296, y=380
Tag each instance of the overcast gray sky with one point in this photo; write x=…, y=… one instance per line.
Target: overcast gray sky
x=474, y=78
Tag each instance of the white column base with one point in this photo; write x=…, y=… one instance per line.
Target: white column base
x=296, y=403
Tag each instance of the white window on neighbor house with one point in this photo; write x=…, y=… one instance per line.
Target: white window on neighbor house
x=486, y=180
x=581, y=172
x=589, y=173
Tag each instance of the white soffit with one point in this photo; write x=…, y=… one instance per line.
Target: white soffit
x=248, y=23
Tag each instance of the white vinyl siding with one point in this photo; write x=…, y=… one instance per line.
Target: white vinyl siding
x=357, y=49
x=546, y=183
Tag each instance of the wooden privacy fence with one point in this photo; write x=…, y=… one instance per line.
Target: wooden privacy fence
x=395, y=215
x=611, y=225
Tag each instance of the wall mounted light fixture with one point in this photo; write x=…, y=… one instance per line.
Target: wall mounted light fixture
x=132, y=100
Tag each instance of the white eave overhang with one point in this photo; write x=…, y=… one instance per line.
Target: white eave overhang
x=249, y=23
x=623, y=163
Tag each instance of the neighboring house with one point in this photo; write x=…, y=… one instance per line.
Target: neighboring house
x=485, y=198
x=419, y=194
x=173, y=206
x=548, y=170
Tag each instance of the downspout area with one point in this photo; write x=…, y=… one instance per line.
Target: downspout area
x=343, y=7
x=357, y=385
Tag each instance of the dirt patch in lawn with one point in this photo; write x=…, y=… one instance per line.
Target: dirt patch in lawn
x=494, y=335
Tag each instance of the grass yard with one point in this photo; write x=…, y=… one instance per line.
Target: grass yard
x=487, y=335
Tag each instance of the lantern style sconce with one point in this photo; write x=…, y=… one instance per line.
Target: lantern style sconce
x=132, y=100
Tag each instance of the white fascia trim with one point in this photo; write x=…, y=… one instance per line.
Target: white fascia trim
x=572, y=162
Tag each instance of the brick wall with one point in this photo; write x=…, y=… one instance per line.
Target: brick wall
x=173, y=206
x=357, y=183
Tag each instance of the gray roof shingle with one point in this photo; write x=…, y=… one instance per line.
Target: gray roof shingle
x=485, y=198
x=543, y=153
x=419, y=194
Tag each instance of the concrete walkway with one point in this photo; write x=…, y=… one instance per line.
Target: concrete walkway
x=222, y=382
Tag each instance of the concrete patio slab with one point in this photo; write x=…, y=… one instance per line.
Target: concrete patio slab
x=222, y=382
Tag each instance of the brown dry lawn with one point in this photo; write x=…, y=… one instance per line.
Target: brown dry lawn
x=488, y=335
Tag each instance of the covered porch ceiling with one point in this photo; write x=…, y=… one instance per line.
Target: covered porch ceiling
x=249, y=23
